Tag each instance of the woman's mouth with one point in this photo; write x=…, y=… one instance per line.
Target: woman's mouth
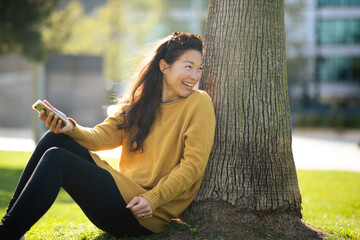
x=190, y=85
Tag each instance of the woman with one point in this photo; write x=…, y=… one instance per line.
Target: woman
x=166, y=130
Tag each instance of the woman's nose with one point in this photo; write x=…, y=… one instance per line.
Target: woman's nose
x=195, y=75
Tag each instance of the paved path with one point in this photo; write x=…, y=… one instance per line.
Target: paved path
x=312, y=149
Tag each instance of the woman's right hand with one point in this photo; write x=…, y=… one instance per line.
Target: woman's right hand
x=53, y=123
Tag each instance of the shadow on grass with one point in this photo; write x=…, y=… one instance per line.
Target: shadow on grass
x=176, y=230
x=8, y=181
x=106, y=236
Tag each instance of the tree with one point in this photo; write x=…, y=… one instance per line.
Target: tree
x=20, y=27
x=28, y=27
x=128, y=23
x=246, y=78
x=251, y=177
x=115, y=30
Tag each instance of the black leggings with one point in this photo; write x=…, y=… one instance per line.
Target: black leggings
x=58, y=161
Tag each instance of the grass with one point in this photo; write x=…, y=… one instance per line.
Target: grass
x=331, y=200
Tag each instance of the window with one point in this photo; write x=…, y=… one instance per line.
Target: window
x=338, y=69
x=339, y=31
x=323, y=3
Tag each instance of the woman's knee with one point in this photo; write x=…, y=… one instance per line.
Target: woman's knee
x=51, y=137
x=49, y=140
x=52, y=156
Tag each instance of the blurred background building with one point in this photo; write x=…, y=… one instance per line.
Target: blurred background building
x=323, y=50
x=94, y=43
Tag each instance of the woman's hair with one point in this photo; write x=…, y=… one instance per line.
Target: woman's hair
x=141, y=102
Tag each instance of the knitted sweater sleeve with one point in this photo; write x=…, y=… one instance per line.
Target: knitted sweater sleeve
x=103, y=136
x=198, y=140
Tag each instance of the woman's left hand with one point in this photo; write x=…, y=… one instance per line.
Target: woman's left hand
x=140, y=207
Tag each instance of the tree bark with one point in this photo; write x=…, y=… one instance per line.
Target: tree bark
x=251, y=164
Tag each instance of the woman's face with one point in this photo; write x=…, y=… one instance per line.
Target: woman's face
x=180, y=77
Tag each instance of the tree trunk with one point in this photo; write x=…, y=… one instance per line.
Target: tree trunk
x=251, y=164
x=250, y=189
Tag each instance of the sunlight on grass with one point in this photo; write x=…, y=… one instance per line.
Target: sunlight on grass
x=331, y=200
x=64, y=221
x=13, y=160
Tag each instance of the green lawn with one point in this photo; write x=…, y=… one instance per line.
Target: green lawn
x=331, y=200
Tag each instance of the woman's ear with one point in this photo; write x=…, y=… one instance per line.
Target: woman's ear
x=163, y=65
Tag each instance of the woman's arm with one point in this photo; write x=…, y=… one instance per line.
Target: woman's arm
x=102, y=137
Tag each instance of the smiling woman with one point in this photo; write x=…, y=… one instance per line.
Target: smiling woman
x=166, y=130
x=181, y=77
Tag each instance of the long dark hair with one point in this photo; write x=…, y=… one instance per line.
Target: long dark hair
x=140, y=104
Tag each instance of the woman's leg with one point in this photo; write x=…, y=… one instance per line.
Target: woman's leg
x=92, y=187
x=97, y=194
x=47, y=141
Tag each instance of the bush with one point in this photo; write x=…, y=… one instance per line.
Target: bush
x=339, y=121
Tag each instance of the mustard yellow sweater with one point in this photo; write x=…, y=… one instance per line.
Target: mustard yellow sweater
x=169, y=170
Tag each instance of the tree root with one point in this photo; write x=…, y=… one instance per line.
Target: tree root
x=220, y=220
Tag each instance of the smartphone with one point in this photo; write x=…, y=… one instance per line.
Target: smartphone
x=39, y=106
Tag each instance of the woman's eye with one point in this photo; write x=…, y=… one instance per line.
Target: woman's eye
x=200, y=69
x=187, y=66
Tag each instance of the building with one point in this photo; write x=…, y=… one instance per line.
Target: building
x=323, y=48
x=74, y=84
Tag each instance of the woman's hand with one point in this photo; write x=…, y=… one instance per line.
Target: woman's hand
x=52, y=122
x=140, y=207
